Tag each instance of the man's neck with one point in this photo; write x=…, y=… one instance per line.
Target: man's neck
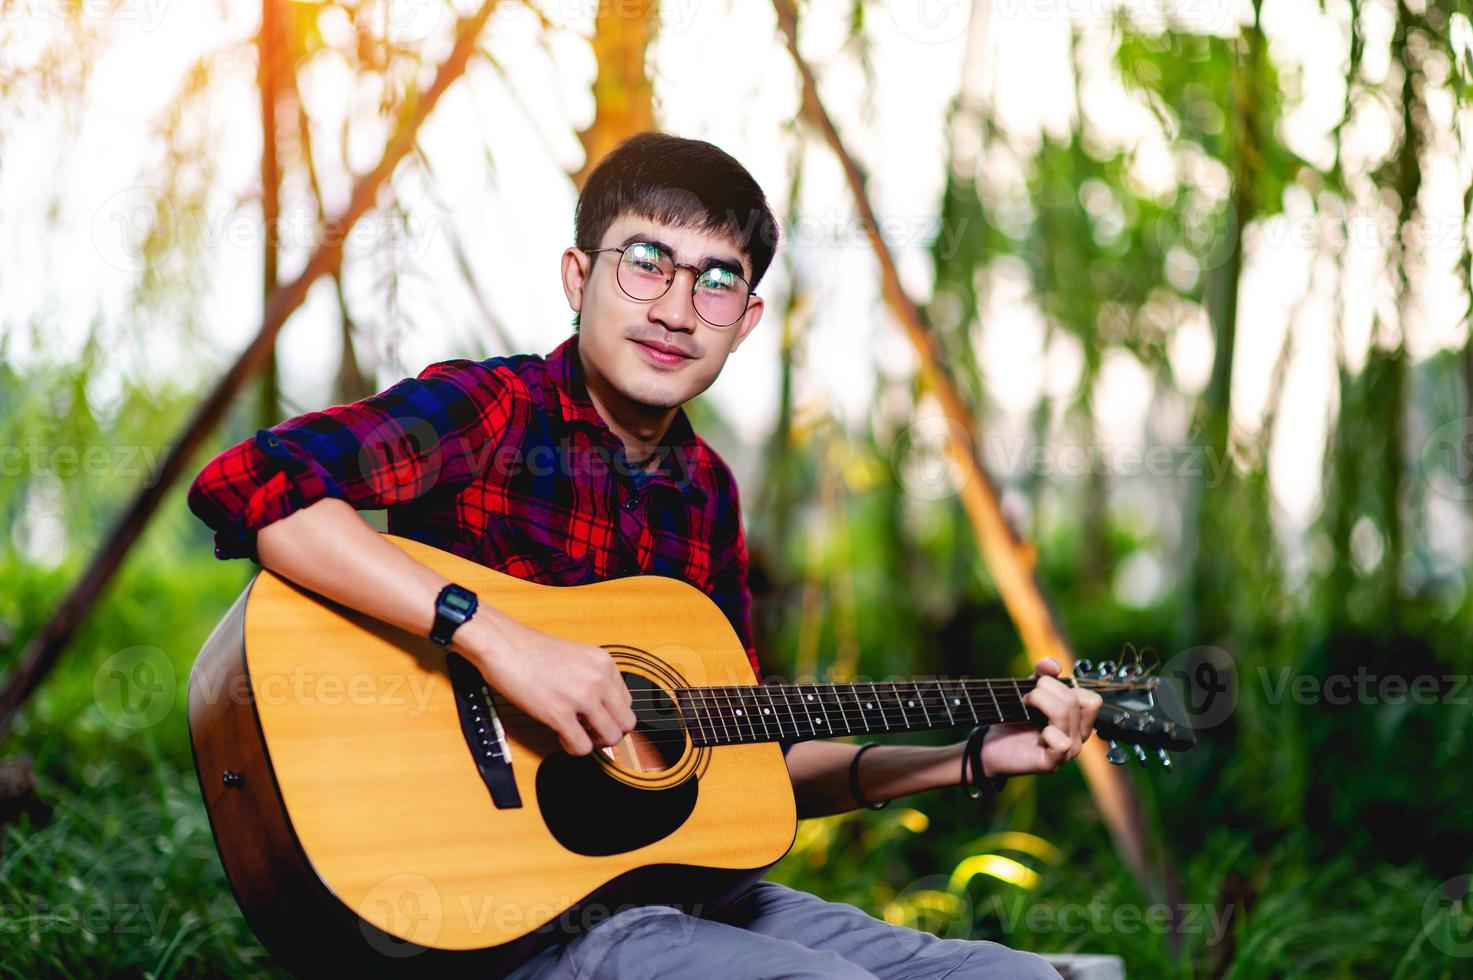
x=640, y=427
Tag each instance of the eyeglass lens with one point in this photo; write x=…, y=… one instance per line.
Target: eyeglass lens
x=645, y=273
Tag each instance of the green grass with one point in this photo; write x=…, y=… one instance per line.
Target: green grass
x=123, y=878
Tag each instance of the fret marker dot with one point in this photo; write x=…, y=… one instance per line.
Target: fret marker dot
x=767, y=711
x=956, y=700
x=910, y=704
x=868, y=705
x=810, y=697
x=739, y=711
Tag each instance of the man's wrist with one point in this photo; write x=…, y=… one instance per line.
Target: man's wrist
x=488, y=631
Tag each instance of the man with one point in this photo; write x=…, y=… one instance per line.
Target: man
x=582, y=466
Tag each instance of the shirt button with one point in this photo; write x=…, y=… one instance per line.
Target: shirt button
x=632, y=504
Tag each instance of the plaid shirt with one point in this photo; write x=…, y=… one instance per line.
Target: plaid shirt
x=505, y=462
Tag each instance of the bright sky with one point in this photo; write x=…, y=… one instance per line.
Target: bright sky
x=71, y=189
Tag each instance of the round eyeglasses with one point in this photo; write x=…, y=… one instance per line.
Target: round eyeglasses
x=645, y=272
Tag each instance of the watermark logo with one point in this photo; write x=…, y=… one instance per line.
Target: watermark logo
x=1206, y=678
x=135, y=687
x=405, y=912
x=931, y=905
x=134, y=229
x=1447, y=459
x=1197, y=236
x=401, y=458
x=927, y=455
x=407, y=20
x=930, y=21
x=1447, y=916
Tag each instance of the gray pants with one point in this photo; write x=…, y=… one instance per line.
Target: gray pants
x=773, y=931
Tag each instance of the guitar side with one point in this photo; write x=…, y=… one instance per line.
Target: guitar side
x=355, y=828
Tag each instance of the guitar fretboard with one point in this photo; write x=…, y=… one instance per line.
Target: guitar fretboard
x=795, y=712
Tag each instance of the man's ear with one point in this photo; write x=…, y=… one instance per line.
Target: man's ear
x=749, y=321
x=576, y=265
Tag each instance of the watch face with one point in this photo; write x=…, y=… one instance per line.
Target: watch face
x=458, y=602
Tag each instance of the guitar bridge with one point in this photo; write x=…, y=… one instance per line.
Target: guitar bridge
x=484, y=735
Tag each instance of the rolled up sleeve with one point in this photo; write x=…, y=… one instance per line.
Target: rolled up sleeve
x=424, y=434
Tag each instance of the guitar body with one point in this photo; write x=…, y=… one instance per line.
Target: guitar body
x=355, y=813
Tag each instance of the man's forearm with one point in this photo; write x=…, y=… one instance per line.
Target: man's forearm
x=329, y=549
x=820, y=773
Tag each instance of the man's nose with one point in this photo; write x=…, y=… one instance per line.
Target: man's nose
x=676, y=309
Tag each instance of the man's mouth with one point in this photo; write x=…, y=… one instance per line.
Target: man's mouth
x=662, y=353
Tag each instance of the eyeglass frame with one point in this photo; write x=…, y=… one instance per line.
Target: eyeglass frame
x=695, y=281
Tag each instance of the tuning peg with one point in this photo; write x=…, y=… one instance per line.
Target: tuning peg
x=1126, y=670
x=1107, y=667
x=1140, y=754
x=1084, y=667
x=1165, y=759
x=1116, y=753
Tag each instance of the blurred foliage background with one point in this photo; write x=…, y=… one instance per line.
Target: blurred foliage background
x=1311, y=837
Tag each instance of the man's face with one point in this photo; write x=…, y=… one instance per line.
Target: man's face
x=658, y=353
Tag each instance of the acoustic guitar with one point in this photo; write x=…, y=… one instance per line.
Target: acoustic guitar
x=379, y=809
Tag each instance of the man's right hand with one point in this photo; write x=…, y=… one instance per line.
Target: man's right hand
x=573, y=688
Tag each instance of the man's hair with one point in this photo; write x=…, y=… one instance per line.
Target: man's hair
x=682, y=182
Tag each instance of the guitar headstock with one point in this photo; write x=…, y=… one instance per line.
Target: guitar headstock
x=1141, y=710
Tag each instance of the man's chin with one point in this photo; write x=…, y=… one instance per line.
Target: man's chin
x=652, y=394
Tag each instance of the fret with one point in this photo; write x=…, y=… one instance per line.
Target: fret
x=811, y=700
x=1022, y=708
x=877, y=706
x=993, y=694
x=970, y=706
x=945, y=702
x=742, y=722
x=926, y=714
x=713, y=709
x=729, y=720
x=833, y=709
x=755, y=710
x=956, y=704
x=805, y=702
x=692, y=711
x=786, y=708
x=853, y=693
x=900, y=702
x=771, y=711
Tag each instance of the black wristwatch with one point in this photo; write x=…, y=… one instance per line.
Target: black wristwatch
x=453, y=606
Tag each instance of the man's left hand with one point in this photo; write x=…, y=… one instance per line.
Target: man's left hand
x=1020, y=750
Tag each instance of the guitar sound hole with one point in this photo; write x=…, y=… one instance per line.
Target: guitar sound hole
x=658, y=739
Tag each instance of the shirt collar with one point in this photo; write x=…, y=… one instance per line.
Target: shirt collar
x=676, y=467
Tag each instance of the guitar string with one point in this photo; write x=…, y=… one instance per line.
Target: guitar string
x=970, y=685
x=719, y=713
x=718, y=730
x=829, y=695
x=713, y=733
x=723, y=726
x=927, y=699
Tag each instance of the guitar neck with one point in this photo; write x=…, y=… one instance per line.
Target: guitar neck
x=796, y=712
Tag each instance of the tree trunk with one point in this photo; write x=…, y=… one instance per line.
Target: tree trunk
x=45, y=647
x=1010, y=560
x=622, y=93
x=271, y=60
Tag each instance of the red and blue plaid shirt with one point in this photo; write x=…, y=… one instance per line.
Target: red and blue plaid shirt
x=505, y=462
